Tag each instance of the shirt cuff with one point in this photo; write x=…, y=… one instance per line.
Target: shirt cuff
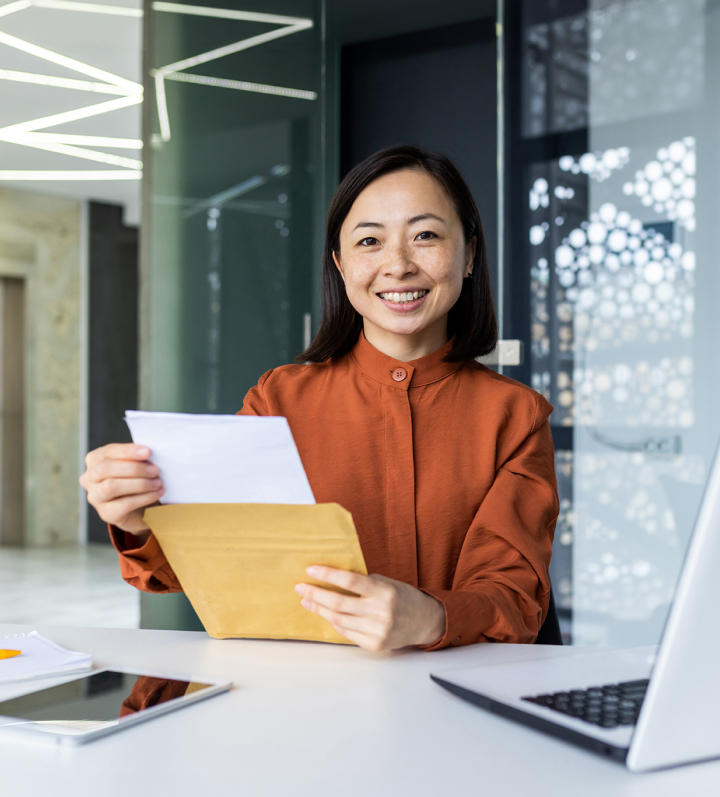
x=467, y=615
x=143, y=566
x=126, y=545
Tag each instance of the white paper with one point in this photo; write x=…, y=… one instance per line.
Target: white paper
x=222, y=459
x=40, y=657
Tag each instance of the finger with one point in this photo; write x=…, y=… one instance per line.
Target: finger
x=122, y=469
x=333, y=601
x=117, y=510
x=117, y=451
x=341, y=622
x=110, y=489
x=352, y=582
x=364, y=641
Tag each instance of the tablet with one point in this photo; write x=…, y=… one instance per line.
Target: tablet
x=99, y=703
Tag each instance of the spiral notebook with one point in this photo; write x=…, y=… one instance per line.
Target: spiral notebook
x=39, y=658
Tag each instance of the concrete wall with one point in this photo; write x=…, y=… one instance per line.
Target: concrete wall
x=40, y=241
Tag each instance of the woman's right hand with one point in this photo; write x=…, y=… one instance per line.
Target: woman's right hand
x=120, y=483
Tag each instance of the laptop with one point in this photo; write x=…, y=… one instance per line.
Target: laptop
x=649, y=708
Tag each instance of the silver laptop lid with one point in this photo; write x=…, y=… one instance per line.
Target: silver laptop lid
x=679, y=718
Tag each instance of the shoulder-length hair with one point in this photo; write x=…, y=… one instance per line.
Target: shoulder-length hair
x=471, y=320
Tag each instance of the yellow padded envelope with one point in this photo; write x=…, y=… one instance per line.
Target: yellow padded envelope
x=239, y=563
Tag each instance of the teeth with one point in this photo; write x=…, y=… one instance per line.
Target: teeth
x=402, y=297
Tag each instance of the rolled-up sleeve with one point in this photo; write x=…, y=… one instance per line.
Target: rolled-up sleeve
x=145, y=566
x=500, y=590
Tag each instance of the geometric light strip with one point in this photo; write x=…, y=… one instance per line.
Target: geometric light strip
x=60, y=82
x=70, y=63
x=76, y=152
x=98, y=174
x=91, y=141
x=172, y=71
x=92, y=8
x=240, y=85
x=70, y=116
x=24, y=132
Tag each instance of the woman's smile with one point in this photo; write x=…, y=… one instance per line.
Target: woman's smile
x=403, y=301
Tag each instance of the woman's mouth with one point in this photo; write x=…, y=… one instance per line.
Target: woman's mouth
x=404, y=301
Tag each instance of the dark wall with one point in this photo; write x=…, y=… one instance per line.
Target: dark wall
x=113, y=334
x=435, y=88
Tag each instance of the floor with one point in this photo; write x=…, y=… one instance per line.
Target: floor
x=78, y=586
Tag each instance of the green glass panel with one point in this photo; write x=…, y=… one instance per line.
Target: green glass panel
x=234, y=206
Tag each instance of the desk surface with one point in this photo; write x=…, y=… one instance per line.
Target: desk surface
x=314, y=719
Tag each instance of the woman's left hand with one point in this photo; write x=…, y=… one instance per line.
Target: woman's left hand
x=387, y=614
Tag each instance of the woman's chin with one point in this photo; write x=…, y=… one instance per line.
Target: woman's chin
x=401, y=326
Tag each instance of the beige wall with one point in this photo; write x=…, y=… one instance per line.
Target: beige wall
x=40, y=241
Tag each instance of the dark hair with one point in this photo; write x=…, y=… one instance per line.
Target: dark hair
x=471, y=320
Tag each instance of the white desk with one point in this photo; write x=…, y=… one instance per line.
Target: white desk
x=313, y=719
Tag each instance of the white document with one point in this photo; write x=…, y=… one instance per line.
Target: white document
x=39, y=658
x=222, y=459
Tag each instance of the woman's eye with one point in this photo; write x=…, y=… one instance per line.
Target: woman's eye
x=426, y=236
x=368, y=242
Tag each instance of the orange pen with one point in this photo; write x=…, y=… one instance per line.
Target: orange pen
x=9, y=654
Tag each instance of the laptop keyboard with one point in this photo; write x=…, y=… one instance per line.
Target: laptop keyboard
x=607, y=706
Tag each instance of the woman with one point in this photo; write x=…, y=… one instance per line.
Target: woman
x=446, y=467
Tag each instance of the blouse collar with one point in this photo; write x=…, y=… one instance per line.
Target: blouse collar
x=388, y=370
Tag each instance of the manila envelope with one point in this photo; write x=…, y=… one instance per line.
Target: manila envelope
x=239, y=563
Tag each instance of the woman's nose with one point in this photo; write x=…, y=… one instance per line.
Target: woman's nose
x=399, y=262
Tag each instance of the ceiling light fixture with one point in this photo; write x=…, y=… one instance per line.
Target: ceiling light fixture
x=76, y=152
x=71, y=116
x=291, y=25
x=99, y=174
x=23, y=132
x=93, y=8
x=240, y=85
x=12, y=8
x=60, y=82
x=89, y=141
x=62, y=60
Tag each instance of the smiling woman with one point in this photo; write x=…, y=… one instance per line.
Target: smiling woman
x=426, y=238
x=446, y=467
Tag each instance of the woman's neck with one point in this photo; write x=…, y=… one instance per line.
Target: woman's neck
x=407, y=347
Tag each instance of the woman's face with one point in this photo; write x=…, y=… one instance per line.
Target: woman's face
x=403, y=255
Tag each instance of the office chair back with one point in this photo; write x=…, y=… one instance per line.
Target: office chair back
x=549, y=633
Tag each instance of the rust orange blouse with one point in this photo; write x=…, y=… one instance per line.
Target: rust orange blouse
x=446, y=468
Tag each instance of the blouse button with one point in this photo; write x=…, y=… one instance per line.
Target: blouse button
x=456, y=641
x=399, y=374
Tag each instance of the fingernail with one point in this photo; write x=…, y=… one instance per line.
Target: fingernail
x=142, y=451
x=305, y=604
x=161, y=491
x=153, y=470
x=313, y=571
x=300, y=589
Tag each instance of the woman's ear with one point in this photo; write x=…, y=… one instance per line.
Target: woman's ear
x=338, y=264
x=470, y=249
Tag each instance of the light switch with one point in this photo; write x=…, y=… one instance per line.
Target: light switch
x=507, y=352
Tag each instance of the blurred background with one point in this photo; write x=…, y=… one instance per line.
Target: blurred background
x=165, y=172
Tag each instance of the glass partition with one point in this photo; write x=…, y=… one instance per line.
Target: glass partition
x=234, y=211
x=234, y=206
x=619, y=132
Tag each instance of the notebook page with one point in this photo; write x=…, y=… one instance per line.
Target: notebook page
x=39, y=657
